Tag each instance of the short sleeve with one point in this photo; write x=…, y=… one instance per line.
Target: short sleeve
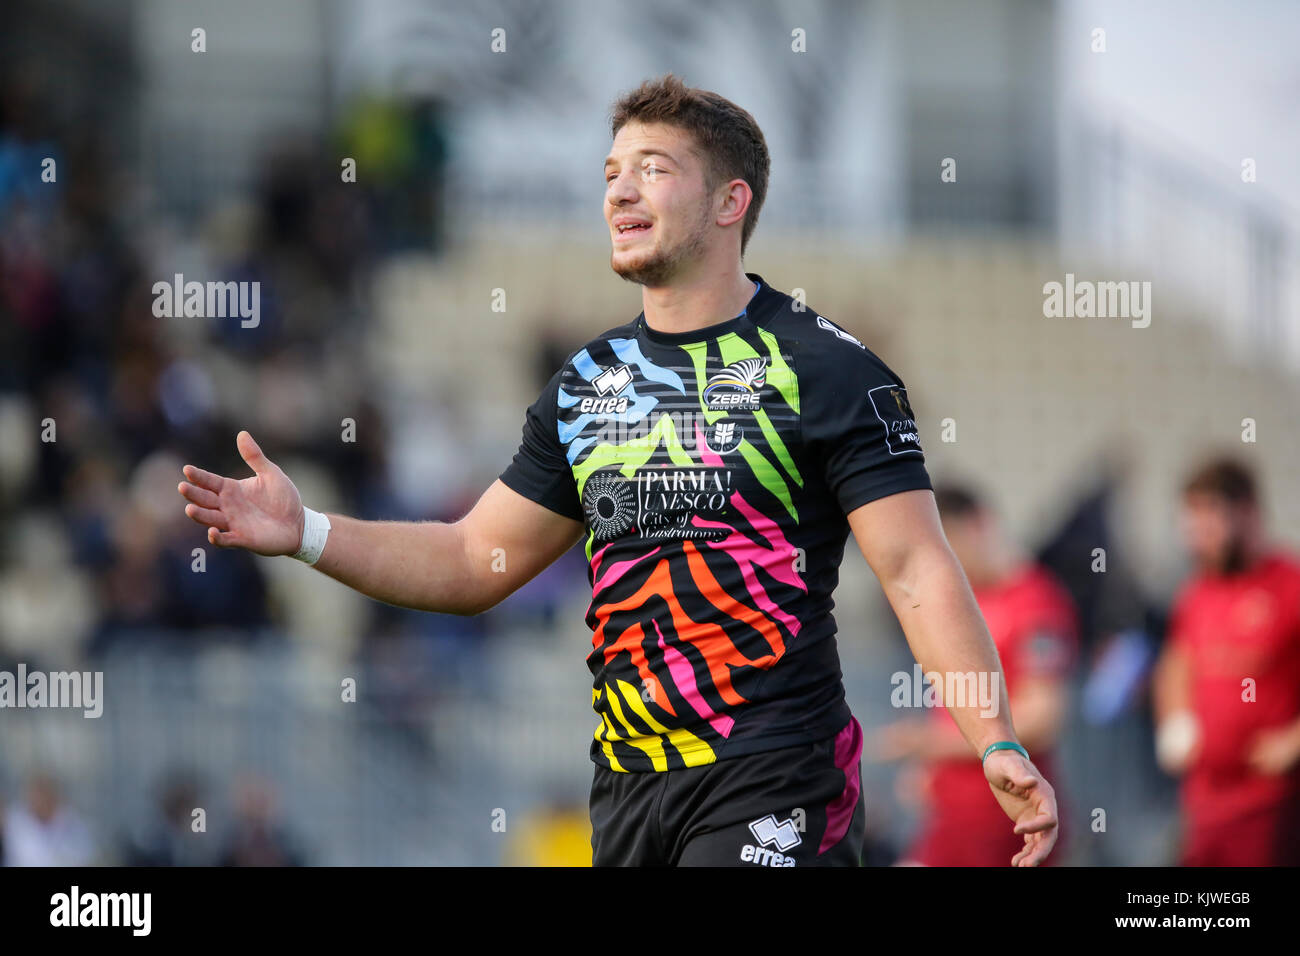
x=540, y=470
x=858, y=423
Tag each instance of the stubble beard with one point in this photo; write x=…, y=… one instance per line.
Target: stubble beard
x=660, y=266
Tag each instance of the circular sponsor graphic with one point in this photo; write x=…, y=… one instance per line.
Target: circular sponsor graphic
x=609, y=504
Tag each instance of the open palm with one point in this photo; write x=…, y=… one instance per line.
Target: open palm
x=262, y=514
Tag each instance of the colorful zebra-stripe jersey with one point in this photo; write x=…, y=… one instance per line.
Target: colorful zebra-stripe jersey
x=714, y=471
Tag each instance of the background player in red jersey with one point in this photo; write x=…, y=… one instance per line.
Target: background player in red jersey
x=1033, y=625
x=1227, y=686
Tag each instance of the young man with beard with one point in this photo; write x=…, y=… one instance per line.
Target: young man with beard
x=713, y=453
x=1227, y=686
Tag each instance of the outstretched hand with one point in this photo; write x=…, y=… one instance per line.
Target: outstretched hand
x=1028, y=799
x=262, y=514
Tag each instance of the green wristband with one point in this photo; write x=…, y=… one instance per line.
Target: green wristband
x=1005, y=745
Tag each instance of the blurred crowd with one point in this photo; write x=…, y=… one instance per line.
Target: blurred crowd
x=102, y=401
x=41, y=828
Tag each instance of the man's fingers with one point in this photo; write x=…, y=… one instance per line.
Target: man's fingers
x=1026, y=857
x=1023, y=788
x=222, y=539
x=251, y=452
x=200, y=496
x=204, y=479
x=1040, y=849
x=1034, y=851
x=1044, y=821
x=207, y=516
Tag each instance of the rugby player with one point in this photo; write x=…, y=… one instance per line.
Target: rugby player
x=1227, y=685
x=712, y=454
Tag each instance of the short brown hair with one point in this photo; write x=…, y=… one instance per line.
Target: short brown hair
x=1225, y=478
x=730, y=141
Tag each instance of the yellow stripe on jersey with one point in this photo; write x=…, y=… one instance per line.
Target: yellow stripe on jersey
x=686, y=743
x=651, y=746
x=694, y=751
x=604, y=733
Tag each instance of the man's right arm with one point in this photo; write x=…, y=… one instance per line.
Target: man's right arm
x=462, y=567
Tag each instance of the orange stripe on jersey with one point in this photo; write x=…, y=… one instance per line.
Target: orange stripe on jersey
x=630, y=641
x=728, y=604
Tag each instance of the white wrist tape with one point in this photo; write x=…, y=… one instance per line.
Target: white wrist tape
x=315, y=529
x=1176, y=736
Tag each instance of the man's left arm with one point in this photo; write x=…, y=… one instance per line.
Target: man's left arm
x=902, y=540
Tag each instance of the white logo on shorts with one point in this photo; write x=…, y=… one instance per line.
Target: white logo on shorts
x=767, y=831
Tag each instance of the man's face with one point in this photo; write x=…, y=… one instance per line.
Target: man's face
x=658, y=208
x=1215, y=531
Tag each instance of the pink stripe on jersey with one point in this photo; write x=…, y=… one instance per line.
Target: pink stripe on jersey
x=684, y=678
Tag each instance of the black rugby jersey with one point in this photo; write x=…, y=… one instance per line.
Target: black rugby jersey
x=714, y=470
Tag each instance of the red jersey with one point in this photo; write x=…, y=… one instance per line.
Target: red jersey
x=1241, y=634
x=1033, y=625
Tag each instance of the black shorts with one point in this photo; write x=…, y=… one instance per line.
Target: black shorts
x=798, y=806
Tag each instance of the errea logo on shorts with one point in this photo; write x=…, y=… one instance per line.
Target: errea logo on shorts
x=768, y=832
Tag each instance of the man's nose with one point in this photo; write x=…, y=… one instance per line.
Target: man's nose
x=621, y=189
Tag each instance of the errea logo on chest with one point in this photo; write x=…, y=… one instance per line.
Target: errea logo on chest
x=609, y=383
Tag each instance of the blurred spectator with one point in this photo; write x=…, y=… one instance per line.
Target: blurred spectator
x=401, y=152
x=1034, y=627
x=259, y=838
x=44, y=830
x=169, y=838
x=1227, y=688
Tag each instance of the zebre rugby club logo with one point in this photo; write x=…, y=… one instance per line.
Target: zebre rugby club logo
x=737, y=386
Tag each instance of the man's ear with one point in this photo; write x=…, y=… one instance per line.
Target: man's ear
x=734, y=204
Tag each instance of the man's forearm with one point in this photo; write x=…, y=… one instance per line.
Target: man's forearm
x=1170, y=684
x=947, y=635
x=419, y=565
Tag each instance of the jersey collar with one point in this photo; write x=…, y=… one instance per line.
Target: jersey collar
x=760, y=304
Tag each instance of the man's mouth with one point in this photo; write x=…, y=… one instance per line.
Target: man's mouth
x=628, y=230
